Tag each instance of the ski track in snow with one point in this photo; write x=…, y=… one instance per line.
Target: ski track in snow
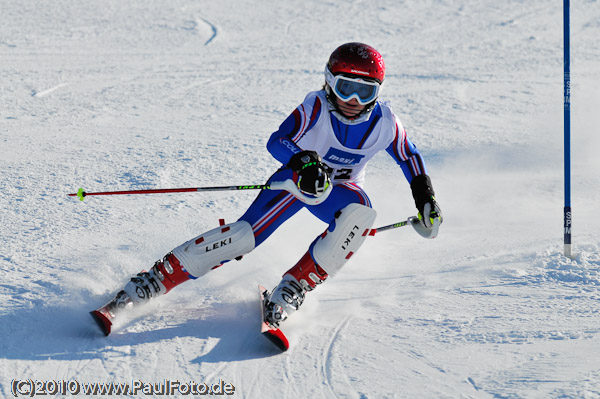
x=124, y=96
x=213, y=30
x=328, y=356
x=46, y=92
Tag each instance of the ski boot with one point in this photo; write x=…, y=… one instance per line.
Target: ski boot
x=162, y=277
x=289, y=295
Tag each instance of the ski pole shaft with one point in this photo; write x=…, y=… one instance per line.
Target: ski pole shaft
x=287, y=185
x=393, y=226
x=82, y=193
x=424, y=231
x=389, y=227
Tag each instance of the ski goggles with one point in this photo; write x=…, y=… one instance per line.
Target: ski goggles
x=347, y=88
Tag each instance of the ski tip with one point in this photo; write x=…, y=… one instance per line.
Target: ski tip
x=103, y=322
x=277, y=338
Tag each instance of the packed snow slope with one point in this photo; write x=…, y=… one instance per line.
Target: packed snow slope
x=118, y=95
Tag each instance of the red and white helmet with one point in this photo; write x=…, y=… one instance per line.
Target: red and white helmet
x=357, y=59
x=354, y=71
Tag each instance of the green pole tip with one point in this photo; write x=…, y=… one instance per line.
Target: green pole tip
x=81, y=194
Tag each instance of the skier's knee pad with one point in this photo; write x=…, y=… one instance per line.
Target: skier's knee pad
x=210, y=250
x=343, y=238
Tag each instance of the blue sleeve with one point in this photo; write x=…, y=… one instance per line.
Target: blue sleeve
x=280, y=145
x=406, y=154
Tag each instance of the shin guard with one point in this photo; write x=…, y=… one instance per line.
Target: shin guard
x=343, y=238
x=215, y=247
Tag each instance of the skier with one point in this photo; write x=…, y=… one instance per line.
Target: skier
x=324, y=146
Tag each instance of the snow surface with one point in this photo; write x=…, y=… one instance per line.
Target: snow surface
x=117, y=95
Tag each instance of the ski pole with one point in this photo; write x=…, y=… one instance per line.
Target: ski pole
x=287, y=185
x=425, y=232
x=284, y=185
x=389, y=227
x=81, y=193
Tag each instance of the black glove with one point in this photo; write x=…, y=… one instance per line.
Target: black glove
x=425, y=201
x=313, y=176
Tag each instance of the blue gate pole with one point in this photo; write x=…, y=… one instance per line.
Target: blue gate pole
x=567, y=128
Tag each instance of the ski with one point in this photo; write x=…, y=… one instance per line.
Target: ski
x=103, y=318
x=273, y=334
x=105, y=315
